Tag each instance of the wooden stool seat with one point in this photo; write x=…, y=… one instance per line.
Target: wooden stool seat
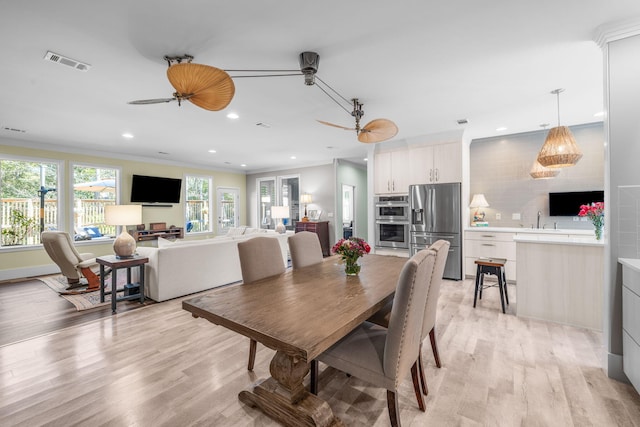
x=494, y=266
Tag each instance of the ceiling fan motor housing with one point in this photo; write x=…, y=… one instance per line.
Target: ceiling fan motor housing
x=309, y=62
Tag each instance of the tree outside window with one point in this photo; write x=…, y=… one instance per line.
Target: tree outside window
x=25, y=185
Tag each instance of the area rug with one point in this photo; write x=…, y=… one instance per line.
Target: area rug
x=84, y=301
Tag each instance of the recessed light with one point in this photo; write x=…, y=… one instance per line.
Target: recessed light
x=293, y=157
x=232, y=116
x=501, y=128
x=365, y=159
x=243, y=165
x=212, y=151
x=127, y=135
x=599, y=114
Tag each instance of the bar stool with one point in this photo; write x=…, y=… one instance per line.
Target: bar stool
x=494, y=266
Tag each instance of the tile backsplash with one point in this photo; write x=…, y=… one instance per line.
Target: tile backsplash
x=499, y=168
x=629, y=221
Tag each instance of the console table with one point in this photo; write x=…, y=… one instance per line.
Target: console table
x=141, y=235
x=321, y=228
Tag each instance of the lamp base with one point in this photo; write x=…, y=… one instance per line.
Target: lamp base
x=280, y=228
x=305, y=219
x=124, y=246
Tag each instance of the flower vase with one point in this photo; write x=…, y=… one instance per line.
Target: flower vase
x=598, y=230
x=351, y=266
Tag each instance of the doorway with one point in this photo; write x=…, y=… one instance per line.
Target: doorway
x=348, y=211
x=228, y=209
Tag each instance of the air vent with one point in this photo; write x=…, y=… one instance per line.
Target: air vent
x=59, y=59
x=263, y=125
x=10, y=129
x=462, y=121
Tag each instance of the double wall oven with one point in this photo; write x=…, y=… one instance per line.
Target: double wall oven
x=392, y=221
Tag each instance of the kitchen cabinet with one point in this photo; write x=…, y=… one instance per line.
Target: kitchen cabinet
x=489, y=244
x=631, y=320
x=432, y=164
x=391, y=172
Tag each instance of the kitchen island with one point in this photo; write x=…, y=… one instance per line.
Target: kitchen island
x=560, y=278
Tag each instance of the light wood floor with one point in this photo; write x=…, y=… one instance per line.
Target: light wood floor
x=158, y=366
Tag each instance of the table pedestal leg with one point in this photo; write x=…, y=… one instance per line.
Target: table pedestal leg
x=284, y=398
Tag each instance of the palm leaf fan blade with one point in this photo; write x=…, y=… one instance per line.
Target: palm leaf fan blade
x=378, y=130
x=210, y=88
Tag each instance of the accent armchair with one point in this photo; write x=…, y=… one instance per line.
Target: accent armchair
x=73, y=265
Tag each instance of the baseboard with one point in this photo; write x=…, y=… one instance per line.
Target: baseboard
x=614, y=368
x=19, y=273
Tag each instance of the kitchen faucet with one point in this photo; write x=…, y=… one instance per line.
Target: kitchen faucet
x=539, y=215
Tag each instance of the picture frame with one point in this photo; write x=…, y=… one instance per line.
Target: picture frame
x=314, y=214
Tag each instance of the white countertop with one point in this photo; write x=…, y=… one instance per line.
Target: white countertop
x=523, y=230
x=632, y=263
x=560, y=239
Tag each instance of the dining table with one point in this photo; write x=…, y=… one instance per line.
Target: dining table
x=299, y=314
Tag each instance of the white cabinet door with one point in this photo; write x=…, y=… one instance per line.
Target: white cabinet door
x=391, y=172
x=421, y=165
x=447, y=163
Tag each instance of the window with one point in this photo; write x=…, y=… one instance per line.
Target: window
x=198, y=204
x=26, y=185
x=286, y=193
x=94, y=187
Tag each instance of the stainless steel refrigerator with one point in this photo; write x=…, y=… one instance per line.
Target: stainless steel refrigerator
x=436, y=214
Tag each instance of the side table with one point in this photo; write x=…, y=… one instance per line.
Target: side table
x=116, y=264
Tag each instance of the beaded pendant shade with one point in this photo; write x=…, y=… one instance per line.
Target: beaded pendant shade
x=540, y=172
x=560, y=149
x=207, y=87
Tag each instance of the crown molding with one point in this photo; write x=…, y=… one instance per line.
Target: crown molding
x=612, y=31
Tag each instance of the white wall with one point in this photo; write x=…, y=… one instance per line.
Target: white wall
x=622, y=92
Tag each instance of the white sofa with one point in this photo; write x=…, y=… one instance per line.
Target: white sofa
x=183, y=267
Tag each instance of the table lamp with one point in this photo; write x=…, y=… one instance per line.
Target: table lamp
x=305, y=199
x=478, y=201
x=125, y=245
x=280, y=212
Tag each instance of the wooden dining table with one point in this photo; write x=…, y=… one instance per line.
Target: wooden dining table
x=300, y=314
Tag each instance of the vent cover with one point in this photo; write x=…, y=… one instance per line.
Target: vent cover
x=462, y=121
x=59, y=59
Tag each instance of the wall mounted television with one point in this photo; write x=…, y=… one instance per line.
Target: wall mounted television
x=568, y=203
x=155, y=189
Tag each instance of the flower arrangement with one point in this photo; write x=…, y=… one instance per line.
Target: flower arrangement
x=350, y=250
x=595, y=213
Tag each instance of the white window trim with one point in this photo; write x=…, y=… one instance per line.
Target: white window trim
x=212, y=207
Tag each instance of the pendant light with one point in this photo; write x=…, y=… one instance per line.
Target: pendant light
x=540, y=172
x=560, y=149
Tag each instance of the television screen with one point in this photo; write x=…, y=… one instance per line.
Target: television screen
x=155, y=189
x=568, y=204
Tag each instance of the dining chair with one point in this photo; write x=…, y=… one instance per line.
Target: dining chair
x=441, y=248
x=385, y=356
x=305, y=249
x=260, y=257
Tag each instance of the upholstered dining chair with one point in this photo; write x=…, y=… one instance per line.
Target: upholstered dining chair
x=260, y=257
x=305, y=249
x=441, y=248
x=385, y=356
x=73, y=265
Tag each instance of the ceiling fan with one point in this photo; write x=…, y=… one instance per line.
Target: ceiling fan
x=207, y=87
x=213, y=89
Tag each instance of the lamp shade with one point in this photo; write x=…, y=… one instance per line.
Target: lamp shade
x=123, y=214
x=280, y=212
x=306, y=198
x=125, y=245
x=479, y=201
x=560, y=149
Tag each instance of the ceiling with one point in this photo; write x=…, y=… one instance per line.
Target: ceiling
x=423, y=65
